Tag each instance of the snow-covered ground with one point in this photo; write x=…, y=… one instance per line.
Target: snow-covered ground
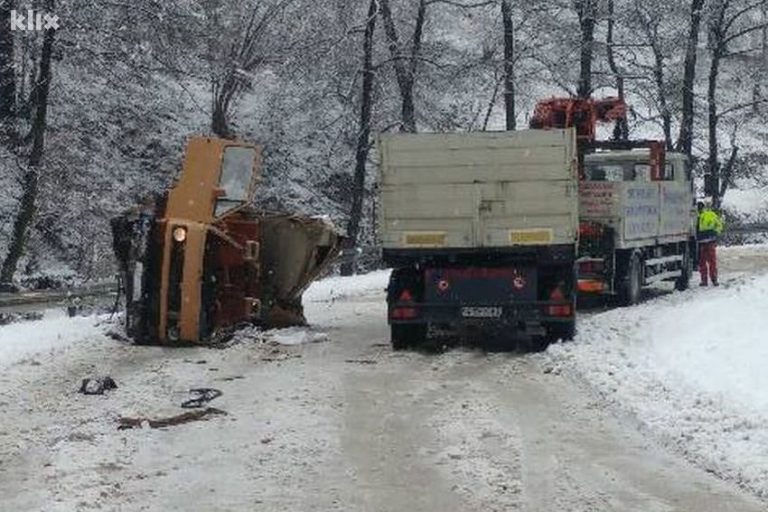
x=328, y=418
x=54, y=332
x=691, y=368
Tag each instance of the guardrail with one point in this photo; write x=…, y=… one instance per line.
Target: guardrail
x=346, y=255
x=62, y=294
x=747, y=228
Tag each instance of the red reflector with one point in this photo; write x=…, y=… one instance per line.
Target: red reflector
x=404, y=313
x=401, y=313
x=564, y=310
x=559, y=310
x=591, y=266
x=592, y=286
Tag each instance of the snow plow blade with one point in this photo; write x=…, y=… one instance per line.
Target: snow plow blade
x=296, y=250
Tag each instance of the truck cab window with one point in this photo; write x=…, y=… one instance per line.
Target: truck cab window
x=642, y=172
x=237, y=167
x=669, y=172
x=609, y=172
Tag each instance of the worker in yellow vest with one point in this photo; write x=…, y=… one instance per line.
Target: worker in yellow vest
x=709, y=229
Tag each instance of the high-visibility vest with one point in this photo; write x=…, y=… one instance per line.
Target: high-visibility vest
x=710, y=224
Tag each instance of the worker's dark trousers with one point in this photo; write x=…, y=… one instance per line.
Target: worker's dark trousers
x=708, y=261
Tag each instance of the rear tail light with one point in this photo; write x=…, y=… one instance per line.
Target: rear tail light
x=560, y=309
x=592, y=286
x=404, y=313
x=591, y=267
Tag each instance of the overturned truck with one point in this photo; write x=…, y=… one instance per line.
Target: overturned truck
x=200, y=260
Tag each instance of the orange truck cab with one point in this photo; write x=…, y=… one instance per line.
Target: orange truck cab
x=191, y=260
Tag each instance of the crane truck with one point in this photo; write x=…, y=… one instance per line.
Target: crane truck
x=504, y=229
x=636, y=204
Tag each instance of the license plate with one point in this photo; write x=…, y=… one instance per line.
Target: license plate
x=481, y=312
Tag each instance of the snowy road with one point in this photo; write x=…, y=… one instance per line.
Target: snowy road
x=342, y=424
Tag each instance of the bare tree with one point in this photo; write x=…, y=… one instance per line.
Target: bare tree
x=509, y=63
x=652, y=26
x=587, y=13
x=685, y=138
x=364, y=134
x=30, y=184
x=621, y=128
x=7, y=69
x=405, y=64
x=729, y=21
x=246, y=54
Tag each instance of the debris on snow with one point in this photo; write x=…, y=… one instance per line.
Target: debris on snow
x=200, y=396
x=97, y=386
x=179, y=419
x=295, y=336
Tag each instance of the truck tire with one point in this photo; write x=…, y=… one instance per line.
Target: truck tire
x=682, y=282
x=565, y=331
x=536, y=343
x=405, y=336
x=631, y=283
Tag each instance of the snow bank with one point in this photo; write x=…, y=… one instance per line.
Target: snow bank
x=719, y=344
x=336, y=288
x=691, y=367
x=19, y=340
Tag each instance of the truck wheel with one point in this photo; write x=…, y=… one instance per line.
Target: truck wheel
x=565, y=331
x=404, y=336
x=682, y=282
x=536, y=343
x=631, y=282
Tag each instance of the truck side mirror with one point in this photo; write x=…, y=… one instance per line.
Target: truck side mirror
x=711, y=185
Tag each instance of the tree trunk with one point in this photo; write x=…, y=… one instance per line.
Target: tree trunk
x=726, y=174
x=405, y=67
x=587, y=12
x=757, y=89
x=685, y=139
x=713, y=164
x=7, y=70
x=509, y=63
x=363, y=145
x=223, y=93
x=621, y=129
x=658, y=76
x=26, y=212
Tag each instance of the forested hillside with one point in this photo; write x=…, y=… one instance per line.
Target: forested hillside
x=94, y=114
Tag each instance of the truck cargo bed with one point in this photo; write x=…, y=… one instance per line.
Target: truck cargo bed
x=473, y=190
